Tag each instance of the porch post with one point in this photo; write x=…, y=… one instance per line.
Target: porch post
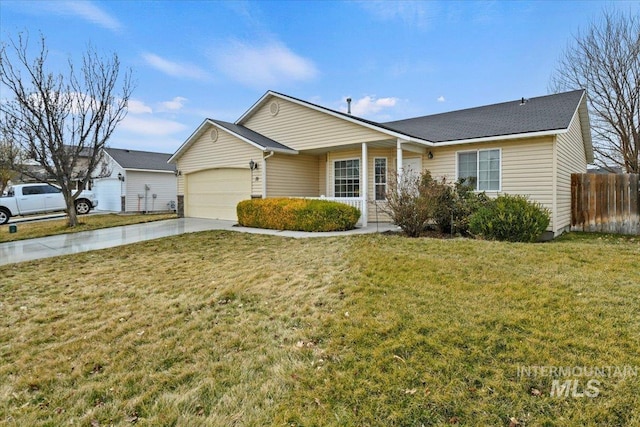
x=365, y=186
x=399, y=159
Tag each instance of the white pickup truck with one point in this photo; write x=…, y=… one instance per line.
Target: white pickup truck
x=28, y=199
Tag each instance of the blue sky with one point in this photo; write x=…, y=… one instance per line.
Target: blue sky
x=197, y=59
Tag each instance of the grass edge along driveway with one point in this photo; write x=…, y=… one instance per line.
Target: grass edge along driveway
x=31, y=230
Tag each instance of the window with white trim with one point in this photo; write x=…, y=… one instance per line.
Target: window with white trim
x=346, y=178
x=480, y=168
x=380, y=178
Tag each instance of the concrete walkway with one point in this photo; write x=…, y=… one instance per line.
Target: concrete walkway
x=65, y=244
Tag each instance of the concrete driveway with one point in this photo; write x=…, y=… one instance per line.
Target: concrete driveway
x=65, y=244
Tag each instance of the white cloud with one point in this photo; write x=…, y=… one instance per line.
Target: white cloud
x=368, y=105
x=151, y=126
x=415, y=13
x=86, y=10
x=440, y=99
x=175, y=104
x=175, y=69
x=266, y=65
x=138, y=107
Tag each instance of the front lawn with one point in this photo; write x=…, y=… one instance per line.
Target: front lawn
x=223, y=328
x=30, y=230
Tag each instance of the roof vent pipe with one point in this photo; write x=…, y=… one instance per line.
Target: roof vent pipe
x=348, y=105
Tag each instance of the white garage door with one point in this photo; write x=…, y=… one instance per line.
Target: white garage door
x=107, y=191
x=214, y=193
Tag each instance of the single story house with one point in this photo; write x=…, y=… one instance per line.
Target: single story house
x=287, y=147
x=135, y=181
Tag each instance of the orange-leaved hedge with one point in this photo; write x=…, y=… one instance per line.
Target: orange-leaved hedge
x=297, y=214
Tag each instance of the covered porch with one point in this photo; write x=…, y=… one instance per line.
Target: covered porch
x=356, y=174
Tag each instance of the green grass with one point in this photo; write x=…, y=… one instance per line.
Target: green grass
x=30, y=230
x=223, y=328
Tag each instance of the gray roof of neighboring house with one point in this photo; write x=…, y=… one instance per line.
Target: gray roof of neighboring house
x=544, y=113
x=147, y=160
x=252, y=136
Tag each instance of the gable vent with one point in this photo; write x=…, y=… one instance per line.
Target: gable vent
x=213, y=134
x=274, y=108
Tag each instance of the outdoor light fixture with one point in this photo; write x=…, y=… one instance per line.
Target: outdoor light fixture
x=253, y=165
x=120, y=177
x=430, y=155
x=177, y=173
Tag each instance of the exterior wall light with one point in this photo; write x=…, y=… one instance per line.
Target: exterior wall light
x=253, y=165
x=430, y=155
x=120, y=177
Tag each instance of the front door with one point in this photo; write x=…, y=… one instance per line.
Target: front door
x=412, y=165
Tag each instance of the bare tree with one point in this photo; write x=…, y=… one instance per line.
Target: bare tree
x=605, y=59
x=410, y=201
x=62, y=121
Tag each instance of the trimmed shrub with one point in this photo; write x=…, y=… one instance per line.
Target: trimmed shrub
x=297, y=214
x=510, y=218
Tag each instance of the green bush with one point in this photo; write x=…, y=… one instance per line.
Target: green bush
x=297, y=214
x=510, y=218
x=455, y=205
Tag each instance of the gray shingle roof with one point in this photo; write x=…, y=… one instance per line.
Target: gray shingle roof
x=132, y=159
x=252, y=136
x=544, y=113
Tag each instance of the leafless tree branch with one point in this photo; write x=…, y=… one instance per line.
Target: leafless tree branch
x=605, y=60
x=60, y=120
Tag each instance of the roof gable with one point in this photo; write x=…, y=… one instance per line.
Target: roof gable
x=338, y=114
x=245, y=134
x=254, y=138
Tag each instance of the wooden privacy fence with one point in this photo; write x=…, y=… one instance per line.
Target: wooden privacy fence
x=608, y=203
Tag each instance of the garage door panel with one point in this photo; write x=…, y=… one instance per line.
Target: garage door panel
x=214, y=193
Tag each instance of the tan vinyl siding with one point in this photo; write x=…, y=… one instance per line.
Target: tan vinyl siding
x=293, y=175
x=227, y=151
x=571, y=158
x=163, y=185
x=526, y=165
x=303, y=128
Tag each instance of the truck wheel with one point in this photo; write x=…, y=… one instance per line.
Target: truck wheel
x=83, y=207
x=4, y=216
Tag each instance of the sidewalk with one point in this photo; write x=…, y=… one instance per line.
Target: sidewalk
x=65, y=244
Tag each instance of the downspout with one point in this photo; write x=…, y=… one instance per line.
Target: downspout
x=264, y=174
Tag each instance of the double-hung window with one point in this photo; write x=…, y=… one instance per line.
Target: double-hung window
x=380, y=178
x=480, y=168
x=346, y=178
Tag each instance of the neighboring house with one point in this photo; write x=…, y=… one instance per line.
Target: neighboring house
x=135, y=181
x=286, y=147
x=36, y=173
